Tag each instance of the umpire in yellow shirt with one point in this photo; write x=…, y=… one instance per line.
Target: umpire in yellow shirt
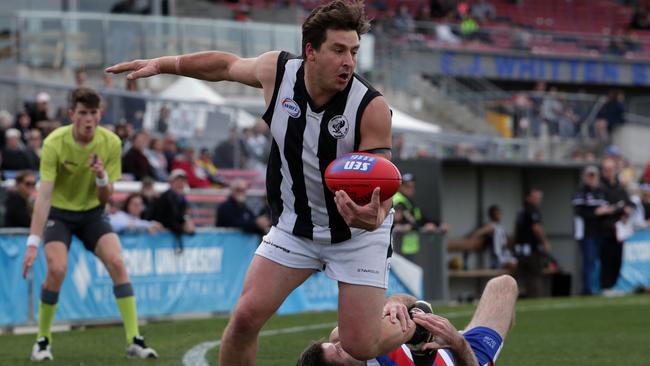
x=79, y=163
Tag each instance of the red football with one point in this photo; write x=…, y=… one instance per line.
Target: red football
x=359, y=173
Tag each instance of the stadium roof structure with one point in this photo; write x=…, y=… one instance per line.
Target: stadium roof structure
x=405, y=123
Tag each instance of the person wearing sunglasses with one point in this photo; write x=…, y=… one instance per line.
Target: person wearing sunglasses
x=20, y=202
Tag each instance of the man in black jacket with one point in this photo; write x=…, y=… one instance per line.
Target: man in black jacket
x=590, y=207
x=19, y=205
x=612, y=249
x=170, y=209
x=235, y=213
x=531, y=244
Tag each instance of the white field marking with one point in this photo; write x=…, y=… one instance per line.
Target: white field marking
x=196, y=355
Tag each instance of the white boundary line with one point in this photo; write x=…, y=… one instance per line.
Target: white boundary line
x=196, y=355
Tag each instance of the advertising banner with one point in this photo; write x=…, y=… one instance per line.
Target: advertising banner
x=635, y=270
x=207, y=277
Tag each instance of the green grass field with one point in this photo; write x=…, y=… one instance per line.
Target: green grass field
x=570, y=331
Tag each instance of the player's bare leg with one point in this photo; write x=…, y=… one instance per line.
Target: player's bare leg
x=496, y=308
x=362, y=332
x=109, y=251
x=56, y=256
x=266, y=286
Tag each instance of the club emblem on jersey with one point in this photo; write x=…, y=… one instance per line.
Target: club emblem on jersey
x=291, y=107
x=338, y=126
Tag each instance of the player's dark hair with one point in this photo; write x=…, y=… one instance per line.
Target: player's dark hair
x=337, y=15
x=313, y=356
x=86, y=96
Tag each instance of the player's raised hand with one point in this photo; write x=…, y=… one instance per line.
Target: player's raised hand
x=367, y=217
x=445, y=335
x=397, y=312
x=96, y=165
x=138, y=68
x=28, y=261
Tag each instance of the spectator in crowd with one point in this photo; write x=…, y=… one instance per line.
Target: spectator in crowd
x=234, y=212
x=205, y=162
x=163, y=119
x=23, y=124
x=521, y=38
x=39, y=113
x=403, y=20
x=6, y=122
x=186, y=161
x=590, y=205
x=531, y=244
x=258, y=146
x=613, y=111
x=229, y=153
x=170, y=209
x=122, y=131
x=497, y=240
x=551, y=111
x=130, y=219
x=20, y=203
x=14, y=155
x=149, y=195
x=170, y=149
x=640, y=18
x=483, y=10
x=612, y=249
x=412, y=216
x=135, y=162
x=80, y=77
x=134, y=105
x=441, y=8
x=157, y=160
x=642, y=202
x=409, y=217
x=34, y=147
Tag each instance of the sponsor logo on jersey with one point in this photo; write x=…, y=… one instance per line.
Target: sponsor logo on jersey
x=291, y=107
x=338, y=126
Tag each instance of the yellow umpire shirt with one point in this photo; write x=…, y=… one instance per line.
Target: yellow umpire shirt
x=67, y=164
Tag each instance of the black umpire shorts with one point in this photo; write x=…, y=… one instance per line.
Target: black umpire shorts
x=88, y=226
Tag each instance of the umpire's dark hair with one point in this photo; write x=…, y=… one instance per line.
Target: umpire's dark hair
x=86, y=96
x=492, y=211
x=313, y=356
x=336, y=15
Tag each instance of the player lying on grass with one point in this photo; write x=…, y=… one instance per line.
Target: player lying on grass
x=478, y=344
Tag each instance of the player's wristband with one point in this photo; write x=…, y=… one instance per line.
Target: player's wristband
x=33, y=241
x=102, y=182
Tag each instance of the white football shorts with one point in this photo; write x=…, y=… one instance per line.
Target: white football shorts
x=362, y=260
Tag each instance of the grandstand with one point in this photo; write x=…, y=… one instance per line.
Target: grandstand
x=484, y=108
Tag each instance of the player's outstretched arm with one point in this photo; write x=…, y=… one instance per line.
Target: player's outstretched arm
x=39, y=216
x=207, y=65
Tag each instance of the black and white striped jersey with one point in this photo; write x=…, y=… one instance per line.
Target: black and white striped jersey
x=305, y=140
